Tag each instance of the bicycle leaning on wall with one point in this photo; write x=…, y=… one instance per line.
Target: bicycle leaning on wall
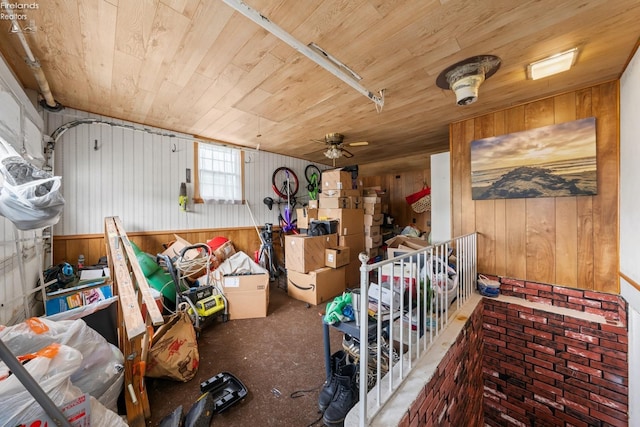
x=285, y=184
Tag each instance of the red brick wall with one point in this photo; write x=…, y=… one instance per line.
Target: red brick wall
x=533, y=367
x=453, y=396
x=548, y=369
x=611, y=307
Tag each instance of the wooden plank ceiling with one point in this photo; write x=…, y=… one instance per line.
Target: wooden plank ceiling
x=199, y=67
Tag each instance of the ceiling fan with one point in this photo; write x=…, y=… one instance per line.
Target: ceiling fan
x=336, y=146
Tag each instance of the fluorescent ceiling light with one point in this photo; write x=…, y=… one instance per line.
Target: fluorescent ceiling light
x=307, y=51
x=552, y=65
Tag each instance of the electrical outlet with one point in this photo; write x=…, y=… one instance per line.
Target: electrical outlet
x=188, y=177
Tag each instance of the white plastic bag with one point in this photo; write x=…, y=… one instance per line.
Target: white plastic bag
x=444, y=279
x=100, y=372
x=30, y=197
x=51, y=368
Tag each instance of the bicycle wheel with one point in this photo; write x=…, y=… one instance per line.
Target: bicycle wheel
x=312, y=173
x=310, y=170
x=284, y=182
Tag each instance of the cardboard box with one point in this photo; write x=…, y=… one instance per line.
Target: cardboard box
x=372, y=242
x=373, y=231
x=173, y=252
x=247, y=295
x=352, y=274
x=178, y=245
x=372, y=208
x=355, y=242
x=373, y=219
x=335, y=202
x=305, y=215
x=351, y=221
x=373, y=252
x=336, y=179
x=306, y=253
x=400, y=245
x=373, y=191
x=335, y=192
x=371, y=199
x=313, y=204
x=224, y=251
x=317, y=286
x=336, y=257
x=245, y=285
x=351, y=202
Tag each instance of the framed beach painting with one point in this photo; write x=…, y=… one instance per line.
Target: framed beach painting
x=551, y=161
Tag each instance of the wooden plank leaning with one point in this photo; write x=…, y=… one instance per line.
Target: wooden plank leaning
x=153, y=315
x=134, y=330
x=134, y=325
x=144, y=291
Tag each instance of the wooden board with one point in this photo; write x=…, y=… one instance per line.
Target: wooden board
x=133, y=329
x=144, y=292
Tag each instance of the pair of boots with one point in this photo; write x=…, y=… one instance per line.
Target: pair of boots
x=340, y=391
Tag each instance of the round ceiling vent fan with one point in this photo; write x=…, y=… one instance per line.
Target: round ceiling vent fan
x=336, y=146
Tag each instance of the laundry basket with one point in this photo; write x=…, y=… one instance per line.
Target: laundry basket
x=421, y=201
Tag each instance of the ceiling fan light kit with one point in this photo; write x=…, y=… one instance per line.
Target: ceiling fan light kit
x=333, y=152
x=465, y=77
x=335, y=146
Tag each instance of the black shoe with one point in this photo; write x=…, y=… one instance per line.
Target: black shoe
x=338, y=361
x=345, y=397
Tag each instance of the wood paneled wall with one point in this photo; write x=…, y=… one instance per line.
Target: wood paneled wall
x=570, y=241
x=92, y=246
x=398, y=186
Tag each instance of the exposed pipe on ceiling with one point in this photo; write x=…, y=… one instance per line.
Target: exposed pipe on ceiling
x=320, y=57
x=48, y=100
x=52, y=140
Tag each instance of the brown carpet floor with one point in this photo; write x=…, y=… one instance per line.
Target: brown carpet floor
x=276, y=357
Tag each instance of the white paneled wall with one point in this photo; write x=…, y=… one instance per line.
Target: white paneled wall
x=136, y=175
x=629, y=221
x=20, y=125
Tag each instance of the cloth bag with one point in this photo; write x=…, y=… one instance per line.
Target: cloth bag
x=174, y=351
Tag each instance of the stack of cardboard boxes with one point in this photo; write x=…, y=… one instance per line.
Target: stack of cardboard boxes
x=338, y=209
x=308, y=279
x=341, y=199
x=373, y=217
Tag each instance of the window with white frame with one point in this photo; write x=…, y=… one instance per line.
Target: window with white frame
x=219, y=174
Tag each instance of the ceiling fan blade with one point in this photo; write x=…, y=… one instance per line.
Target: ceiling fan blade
x=358, y=144
x=346, y=153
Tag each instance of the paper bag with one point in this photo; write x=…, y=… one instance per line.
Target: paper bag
x=174, y=351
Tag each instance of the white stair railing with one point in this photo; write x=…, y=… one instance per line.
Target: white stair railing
x=421, y=291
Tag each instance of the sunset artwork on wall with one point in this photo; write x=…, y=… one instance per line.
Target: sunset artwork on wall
x=551, y=161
